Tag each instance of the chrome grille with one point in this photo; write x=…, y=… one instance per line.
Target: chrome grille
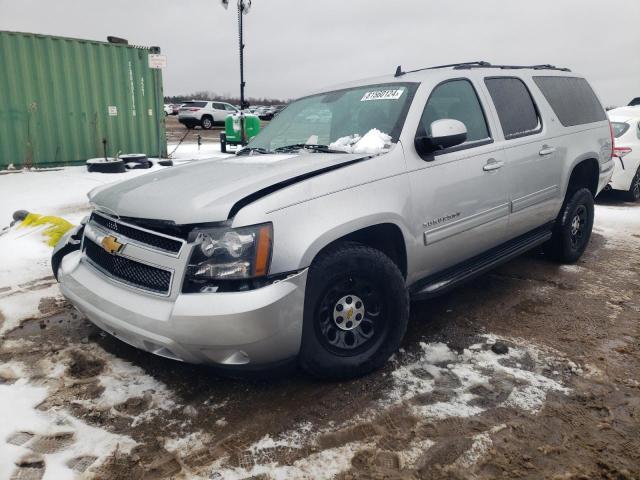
x=128, y=271
x=143, y=237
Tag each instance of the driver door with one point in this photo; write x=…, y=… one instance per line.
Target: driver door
x=460, y=196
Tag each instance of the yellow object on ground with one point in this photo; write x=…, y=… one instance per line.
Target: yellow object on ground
x=56, y=227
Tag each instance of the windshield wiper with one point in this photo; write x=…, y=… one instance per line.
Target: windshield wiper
x=305, y=146
x=247, y=150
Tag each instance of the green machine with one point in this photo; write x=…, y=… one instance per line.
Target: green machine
x=232, y=135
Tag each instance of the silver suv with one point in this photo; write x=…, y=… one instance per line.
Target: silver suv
x=310, y=242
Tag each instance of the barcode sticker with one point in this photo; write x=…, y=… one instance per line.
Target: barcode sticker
x=394, y=94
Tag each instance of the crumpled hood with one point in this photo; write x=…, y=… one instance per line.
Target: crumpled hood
x=207, y=190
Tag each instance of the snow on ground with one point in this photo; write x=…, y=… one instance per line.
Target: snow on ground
x=24, y=281
x=24, y=257
x=45, y=431
x=617, y=221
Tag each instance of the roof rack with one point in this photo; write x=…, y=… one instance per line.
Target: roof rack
x=482, y=64
x=514, y=67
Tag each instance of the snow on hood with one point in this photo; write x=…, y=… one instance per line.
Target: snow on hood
x=373, y=142
x=205, y=191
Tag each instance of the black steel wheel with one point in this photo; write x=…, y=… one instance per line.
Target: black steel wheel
x=572, y=231
x=351, y=315
x=356, y=312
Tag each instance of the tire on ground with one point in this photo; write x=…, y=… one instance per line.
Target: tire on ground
x=134, y=161
x=108, y=165
x=572, y=230
x=333, y=275
x=207, y=122
x=633, y=194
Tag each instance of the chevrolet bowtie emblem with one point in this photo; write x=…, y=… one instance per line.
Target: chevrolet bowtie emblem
x=111, y=245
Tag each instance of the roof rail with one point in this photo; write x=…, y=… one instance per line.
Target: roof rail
x=480, y=63
x=483, y=64
x=514, y=67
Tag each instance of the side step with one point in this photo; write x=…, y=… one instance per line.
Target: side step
x=439, y=283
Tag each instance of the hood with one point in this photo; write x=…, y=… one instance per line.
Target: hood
x=208, y=190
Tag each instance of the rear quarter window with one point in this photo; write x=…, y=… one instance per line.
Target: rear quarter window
x=195, y=104
x=572, y=99
x=516, y=109
x=619, y=128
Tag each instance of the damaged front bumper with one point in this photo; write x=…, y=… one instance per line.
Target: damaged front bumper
x=247, y=329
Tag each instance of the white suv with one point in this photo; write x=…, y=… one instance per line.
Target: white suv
x=626, y=127
x=204, y=113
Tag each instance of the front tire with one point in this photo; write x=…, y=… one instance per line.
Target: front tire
x=356, y=312
x=633, y=194
x=572, y=231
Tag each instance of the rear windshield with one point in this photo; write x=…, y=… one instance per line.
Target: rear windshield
x=195, y=104
x=572, y=100
x=619, y=128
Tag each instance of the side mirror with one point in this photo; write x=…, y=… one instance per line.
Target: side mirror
x=445, y=133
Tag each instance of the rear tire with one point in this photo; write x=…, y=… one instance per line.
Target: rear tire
x=206, y=123
x=369, y=288
x=572, y=231
x=633, y=194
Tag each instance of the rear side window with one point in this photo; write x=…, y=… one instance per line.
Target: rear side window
x=456, y=100
x=194, y=104
x=572, y=100
x=619, y=128
x=517, y=111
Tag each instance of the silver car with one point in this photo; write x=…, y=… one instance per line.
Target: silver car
x=310, y=242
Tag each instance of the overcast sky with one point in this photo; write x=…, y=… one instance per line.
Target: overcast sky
x=295, y=46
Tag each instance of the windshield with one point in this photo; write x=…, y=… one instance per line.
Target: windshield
x=339, y=118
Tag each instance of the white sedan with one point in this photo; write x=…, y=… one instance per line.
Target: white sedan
x=626, y=127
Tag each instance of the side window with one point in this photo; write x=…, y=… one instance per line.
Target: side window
x=457, y=100
x=517, y=111
x=572, y=100
x=638, y=130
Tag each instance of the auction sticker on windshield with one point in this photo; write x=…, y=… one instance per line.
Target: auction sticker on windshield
x=394, y=94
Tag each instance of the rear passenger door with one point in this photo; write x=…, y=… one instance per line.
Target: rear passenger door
x=533, y=170
x=219, y=112
x=459, y=194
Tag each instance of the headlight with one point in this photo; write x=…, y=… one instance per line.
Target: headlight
x=231, y=253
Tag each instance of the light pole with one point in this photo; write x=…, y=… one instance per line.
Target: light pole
x=243, y=8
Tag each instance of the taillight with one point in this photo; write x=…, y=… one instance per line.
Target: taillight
x=613, y=140
x=621, y=151
x=194, y=109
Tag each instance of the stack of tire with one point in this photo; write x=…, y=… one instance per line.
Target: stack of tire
x=129, y=161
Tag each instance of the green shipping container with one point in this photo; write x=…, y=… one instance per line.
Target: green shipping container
x=62, y=98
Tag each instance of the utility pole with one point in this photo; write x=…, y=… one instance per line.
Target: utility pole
x=243, y=9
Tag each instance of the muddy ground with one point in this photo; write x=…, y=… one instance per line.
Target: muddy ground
x=573, y=340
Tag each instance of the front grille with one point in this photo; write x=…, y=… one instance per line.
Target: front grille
x=128, y=271
x=146, y=238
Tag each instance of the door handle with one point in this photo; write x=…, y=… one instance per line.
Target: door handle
x=492, y=164
x=547, y=150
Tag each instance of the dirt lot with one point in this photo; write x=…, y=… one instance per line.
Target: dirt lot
x=531, y=371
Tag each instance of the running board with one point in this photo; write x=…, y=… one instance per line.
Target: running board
x=444, y=281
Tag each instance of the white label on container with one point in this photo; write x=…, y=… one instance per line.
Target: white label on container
x=113, y=111
x=150, y=111
x=157, y=61
x=394, y=94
